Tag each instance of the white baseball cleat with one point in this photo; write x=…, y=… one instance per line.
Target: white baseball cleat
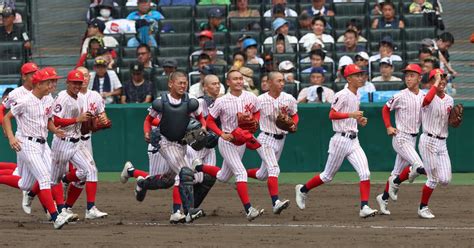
x=300, y=197
x=425, y=213
x=26, y=202
x=413, y=173
x=393, y=188
x=74, y=216
x=95, y=213
x=254, y=213
x=280, y=206
x=366, y=211
x=124, y=175
x=177, y=217
x=62, y=219
x=382, y=205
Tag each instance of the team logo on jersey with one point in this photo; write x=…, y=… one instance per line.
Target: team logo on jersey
x=58, y=108
x=449, y=109
x=47, y=111
x=92, y=107
x=248, y=108
x=335, y=101
x=284, y=110
x=391, y=100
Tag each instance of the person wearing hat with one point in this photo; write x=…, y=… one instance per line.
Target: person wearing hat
x=10, y=32
x=144, y=56
x=288, y=69
x=386, y=48
x=104, y=81
x=144, y=34
x=105, y=9
x=95, y=29
x=240, y=40
x=304, y=22
x=215, y=21
x=316, y=92
x=138, y=89
x=249, y=85
x=18, y=17
x=250, y=49
x=197, y=89
x=288, y=12
x=239, y=59
x=318, y=8
x=210, y=49
x=281, y=26
x=169, y=66
x=242, y=10
x=146, y=12
x=361, y=61
x=388, y=18
x=203, y=37
x=318, y=28
x=95, y=44
x=346, y=117
x=386, y=70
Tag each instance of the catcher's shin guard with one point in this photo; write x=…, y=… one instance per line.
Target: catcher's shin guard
x=186, y=188
x=159, y=182
x=201, y=189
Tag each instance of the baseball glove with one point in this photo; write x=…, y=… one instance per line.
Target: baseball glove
x=96, y=123
x=247, y=122
x=284, y=122
x=455, y=116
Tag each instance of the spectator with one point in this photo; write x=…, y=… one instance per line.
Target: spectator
x=144, y=56
x=280, y=26
x=243, y=10
x=280, y=46
x=288, y=12
x=361, y=59
x=95, y=29
x=138, y=89
x=317, y=60
x=386, y=71
x=144, y=35
x=316, y=93
x=419, y=6
x=429, y=64
x=304, y=22
x=367, y=89
x=238, y=59
x=423, y=54
x=5, y=93
x=197, y=89
x=250, y=50
x=385, y=50
x=388, y=18
x=355, y=25
x=238, y=45
x=10, y=32
x=264, y=83
x=440, y=49
x=108, y=55
x=203, y=37
x=145, y=12
x=202, y=61
x=321, y=53
x=268, y=64
x=318, y=8
x=95, y=4
x=105, y=10
x=249, y=85
x=11, y=7
x=210, y=49
x=287, y=68
x=350, y=42
x=105, y=81
x=214, y=2
x=319, y=24
x=278, y=11
x=95, y=44
x=215, y=21
x=377, y=8
x=169, y=66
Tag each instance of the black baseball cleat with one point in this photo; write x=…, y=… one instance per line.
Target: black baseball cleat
x=140, y=192
x=194, y=214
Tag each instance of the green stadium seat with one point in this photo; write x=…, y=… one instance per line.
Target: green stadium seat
x=415, y=21
x=174, y=40
x=179, y=26
x=174, y=51
x=382, y=86
x=10, y=67
x=119, y=38
x=161, y=83
x=131, y=52
x=417, y=34
x=11, y=50
x=176, y=12
x=375, y=35
x=411, y=55
x=241, y=23
x=126, y=62
x=292, y=23
x=291, y=88
x=340, y=21
x=345, y=9
x=254, y=67
x=183, y=60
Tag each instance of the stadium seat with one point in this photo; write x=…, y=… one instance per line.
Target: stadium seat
x=221, y=39
x=415, y=21
x=292, y=89
x=254, y=67
x=381, y=86
x=397, y=66
x=179, y=26
x=174, y=40
x=378, y=34
x=126, y=62
x=131, y=52
x=240, y=24
x=119, y=38
x=411, y=55
x=12, y=80
x=234, y=36
x=11, y=50
x=125, y=77
x=413, y=46
x=176, y=12
x=279, y=57
x=417, y=34
x=174, y=51
x=374, y=46
x=184, y=60
x=202, y=10
x=161, y=83
x=292, y=23
x=343, y=9
x=116, y=12
x=340, y=21
x=10, y=67
x=127, y=10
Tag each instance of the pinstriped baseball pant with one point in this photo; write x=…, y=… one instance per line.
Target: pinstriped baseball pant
x=35, y=165
x=437, y=163
x=208, y=156
x=404, y=144
x=270, y=152
x=339, y=148
x=232, y=164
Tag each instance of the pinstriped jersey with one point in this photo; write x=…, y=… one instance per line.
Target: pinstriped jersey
x=436, y=114
x=14, y=96
x=407, y=106
x=93, y=102
x=270, y=108
x=67, y=107
x=345, y=102
x=31, y=114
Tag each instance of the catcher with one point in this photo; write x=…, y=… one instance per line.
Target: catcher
x=278, y=117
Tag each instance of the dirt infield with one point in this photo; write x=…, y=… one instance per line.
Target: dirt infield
x=330, y=220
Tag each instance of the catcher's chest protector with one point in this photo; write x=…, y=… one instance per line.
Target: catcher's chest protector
x=175, y=118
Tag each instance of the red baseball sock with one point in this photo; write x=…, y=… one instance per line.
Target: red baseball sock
x=252, y=173
x=243, y=192
x=364, y=188
x=72, y=177
x=176, y=196
x=211, y=170
x=71, y=167
x=10, y=180
x=386, y=186
x=6, y=172
x=58, y=193
x=7, y=166
x=314, y=182
x=35, y=189
x=137, y=173
x=46, y=199
x=73, y=194
x=272, y=184
x=404, y=175
x=91, y=191
x=426, y=194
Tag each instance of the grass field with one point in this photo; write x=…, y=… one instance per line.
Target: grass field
x=341, y=177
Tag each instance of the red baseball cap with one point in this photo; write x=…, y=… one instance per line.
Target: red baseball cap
x=207, y=34
x=434, y=71
x=75, y=76
x=40, y=76
x=29, y=67
x=352, y=69
x=413, y=67
x=51, y=73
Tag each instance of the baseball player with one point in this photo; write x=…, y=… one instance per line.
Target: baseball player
x=33, y=120
x=407, y=106
x=345, y=116
x=432, y=146
x=272, y=139
x=69, y=114
x=226, y=108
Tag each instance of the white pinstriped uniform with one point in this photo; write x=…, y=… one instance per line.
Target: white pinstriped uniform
x=65, y=151
x=172, y=152
x=407, y=106
x=271, y=149
x=340, y=146
x=434, y=151
x=226, y=108
x=32, y=116
x=95, y=104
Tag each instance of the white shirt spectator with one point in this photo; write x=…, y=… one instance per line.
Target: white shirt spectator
x=325, y=38
x=114, y=84
x=292, y=39
x=288, y=13
x=380, y=79
x=310, y=93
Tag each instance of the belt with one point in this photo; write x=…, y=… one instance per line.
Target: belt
x=276, y=136
x=349, y=135
x=72, y=140
x=39, y=140
x=413, y=134
x=434, y=136
x=84, y=138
